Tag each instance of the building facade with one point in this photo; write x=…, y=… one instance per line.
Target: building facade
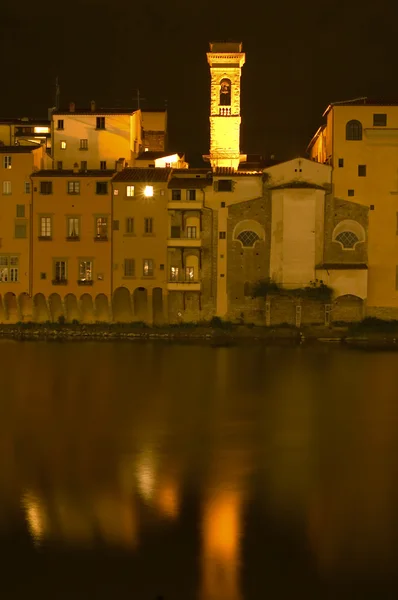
x=118, y=228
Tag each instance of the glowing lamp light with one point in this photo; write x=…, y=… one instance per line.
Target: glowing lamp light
x=148, y=191
x=42, y=130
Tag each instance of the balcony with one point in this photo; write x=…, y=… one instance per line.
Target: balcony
x=184, y=242
x=183, y=286
x=84, y=282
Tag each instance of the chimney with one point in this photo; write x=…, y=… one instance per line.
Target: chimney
x=75, y=168
x=72, y=107
x=92, y=105
x=120, y=164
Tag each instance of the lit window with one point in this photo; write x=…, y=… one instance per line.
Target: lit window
x=45, y=227
x=73, y=227
x=85, y=270
x=129, y=267
x=27, y=187
x=174, y=273
x=8, y=268
x=41, y=130
x=74, y=187
x=348, y=239
x=7, y=162
x=130, y=191
x=63, y=145
x=189, y=274
x=191, y=232
x=147, y=267
x=146, y=149
x=6, y=188
x=101, y=227
x=148, y=191
x=248, y=238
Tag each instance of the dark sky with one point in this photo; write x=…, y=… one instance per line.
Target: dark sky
x=300, y=56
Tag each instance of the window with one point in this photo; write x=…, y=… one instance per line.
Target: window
x=63, y=145
x=353, y=131
x=361, y=170
x=100, y=123
x=60, y=124
x=9, y=271
x=225, y=185
x=20, y=230
x=46, y=187
x=6, y=188
x=59, y=165
x=175, y=231
x=191, y=232
x=222, y=204
x=101, y=227
x=129, y=267
x=73, y=227
x=43, y=275
x=130, y=225
x=45, y=227
x=60, y=271
x=129, y=191
x=176, y=194
x=20, y=211
x=74, y=187
x=83, y=165
x=103, y=165
x=85, y=270
x=191, y=194
x=189, y=274
x=248, y=238
x=115, y=225
x=350, y=192
x=7, y=162
x=347, y=238
x=222, y=235
x=380, y=120
x=26, y=187
x=225, y=92
x=83, y=144
x=101, y=187
x=147, y=270
x=341, y=162
x=174, y=273
x=148, y=225
x=148, y=191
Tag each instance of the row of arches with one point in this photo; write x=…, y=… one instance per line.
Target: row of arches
x=123, y=307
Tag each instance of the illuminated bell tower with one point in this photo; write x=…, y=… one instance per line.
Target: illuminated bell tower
x=226, y=60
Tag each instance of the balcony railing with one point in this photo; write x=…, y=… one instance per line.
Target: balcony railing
x=101, y=238
x=60, y=282
x=84, y=282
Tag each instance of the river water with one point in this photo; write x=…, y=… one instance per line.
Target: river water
x=137, y=470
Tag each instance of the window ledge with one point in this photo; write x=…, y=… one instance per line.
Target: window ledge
x=100, y=129
x=83, y=149
x=73, y=238
x=45, y=238
x=148, y=277
x=85, y=282
x=60, y=282
x=129, y=235
x=100, y=238
x=148, y=235
x=101, y=193
x=129, y=277
x=130, y=197
x=73, y=193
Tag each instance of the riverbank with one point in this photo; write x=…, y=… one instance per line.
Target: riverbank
x=368, y=336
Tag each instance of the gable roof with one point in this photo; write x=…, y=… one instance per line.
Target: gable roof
x=142, y=174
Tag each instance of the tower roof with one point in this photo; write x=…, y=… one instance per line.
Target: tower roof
x=227, y=47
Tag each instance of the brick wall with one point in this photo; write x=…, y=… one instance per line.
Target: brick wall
x=155, y=141
x=337, y=210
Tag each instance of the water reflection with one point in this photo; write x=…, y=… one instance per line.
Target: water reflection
x=203, y=465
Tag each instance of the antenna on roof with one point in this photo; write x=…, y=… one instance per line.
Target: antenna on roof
x=57, y=93
x=138, y=98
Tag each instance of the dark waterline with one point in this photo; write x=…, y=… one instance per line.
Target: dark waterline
x=244, y=473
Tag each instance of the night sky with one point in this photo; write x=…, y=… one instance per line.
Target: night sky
x=299, y=57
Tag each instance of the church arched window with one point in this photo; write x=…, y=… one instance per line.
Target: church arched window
x=353, y=130
x=225, y=92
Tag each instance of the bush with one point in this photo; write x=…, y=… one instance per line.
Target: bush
x=373, y=324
